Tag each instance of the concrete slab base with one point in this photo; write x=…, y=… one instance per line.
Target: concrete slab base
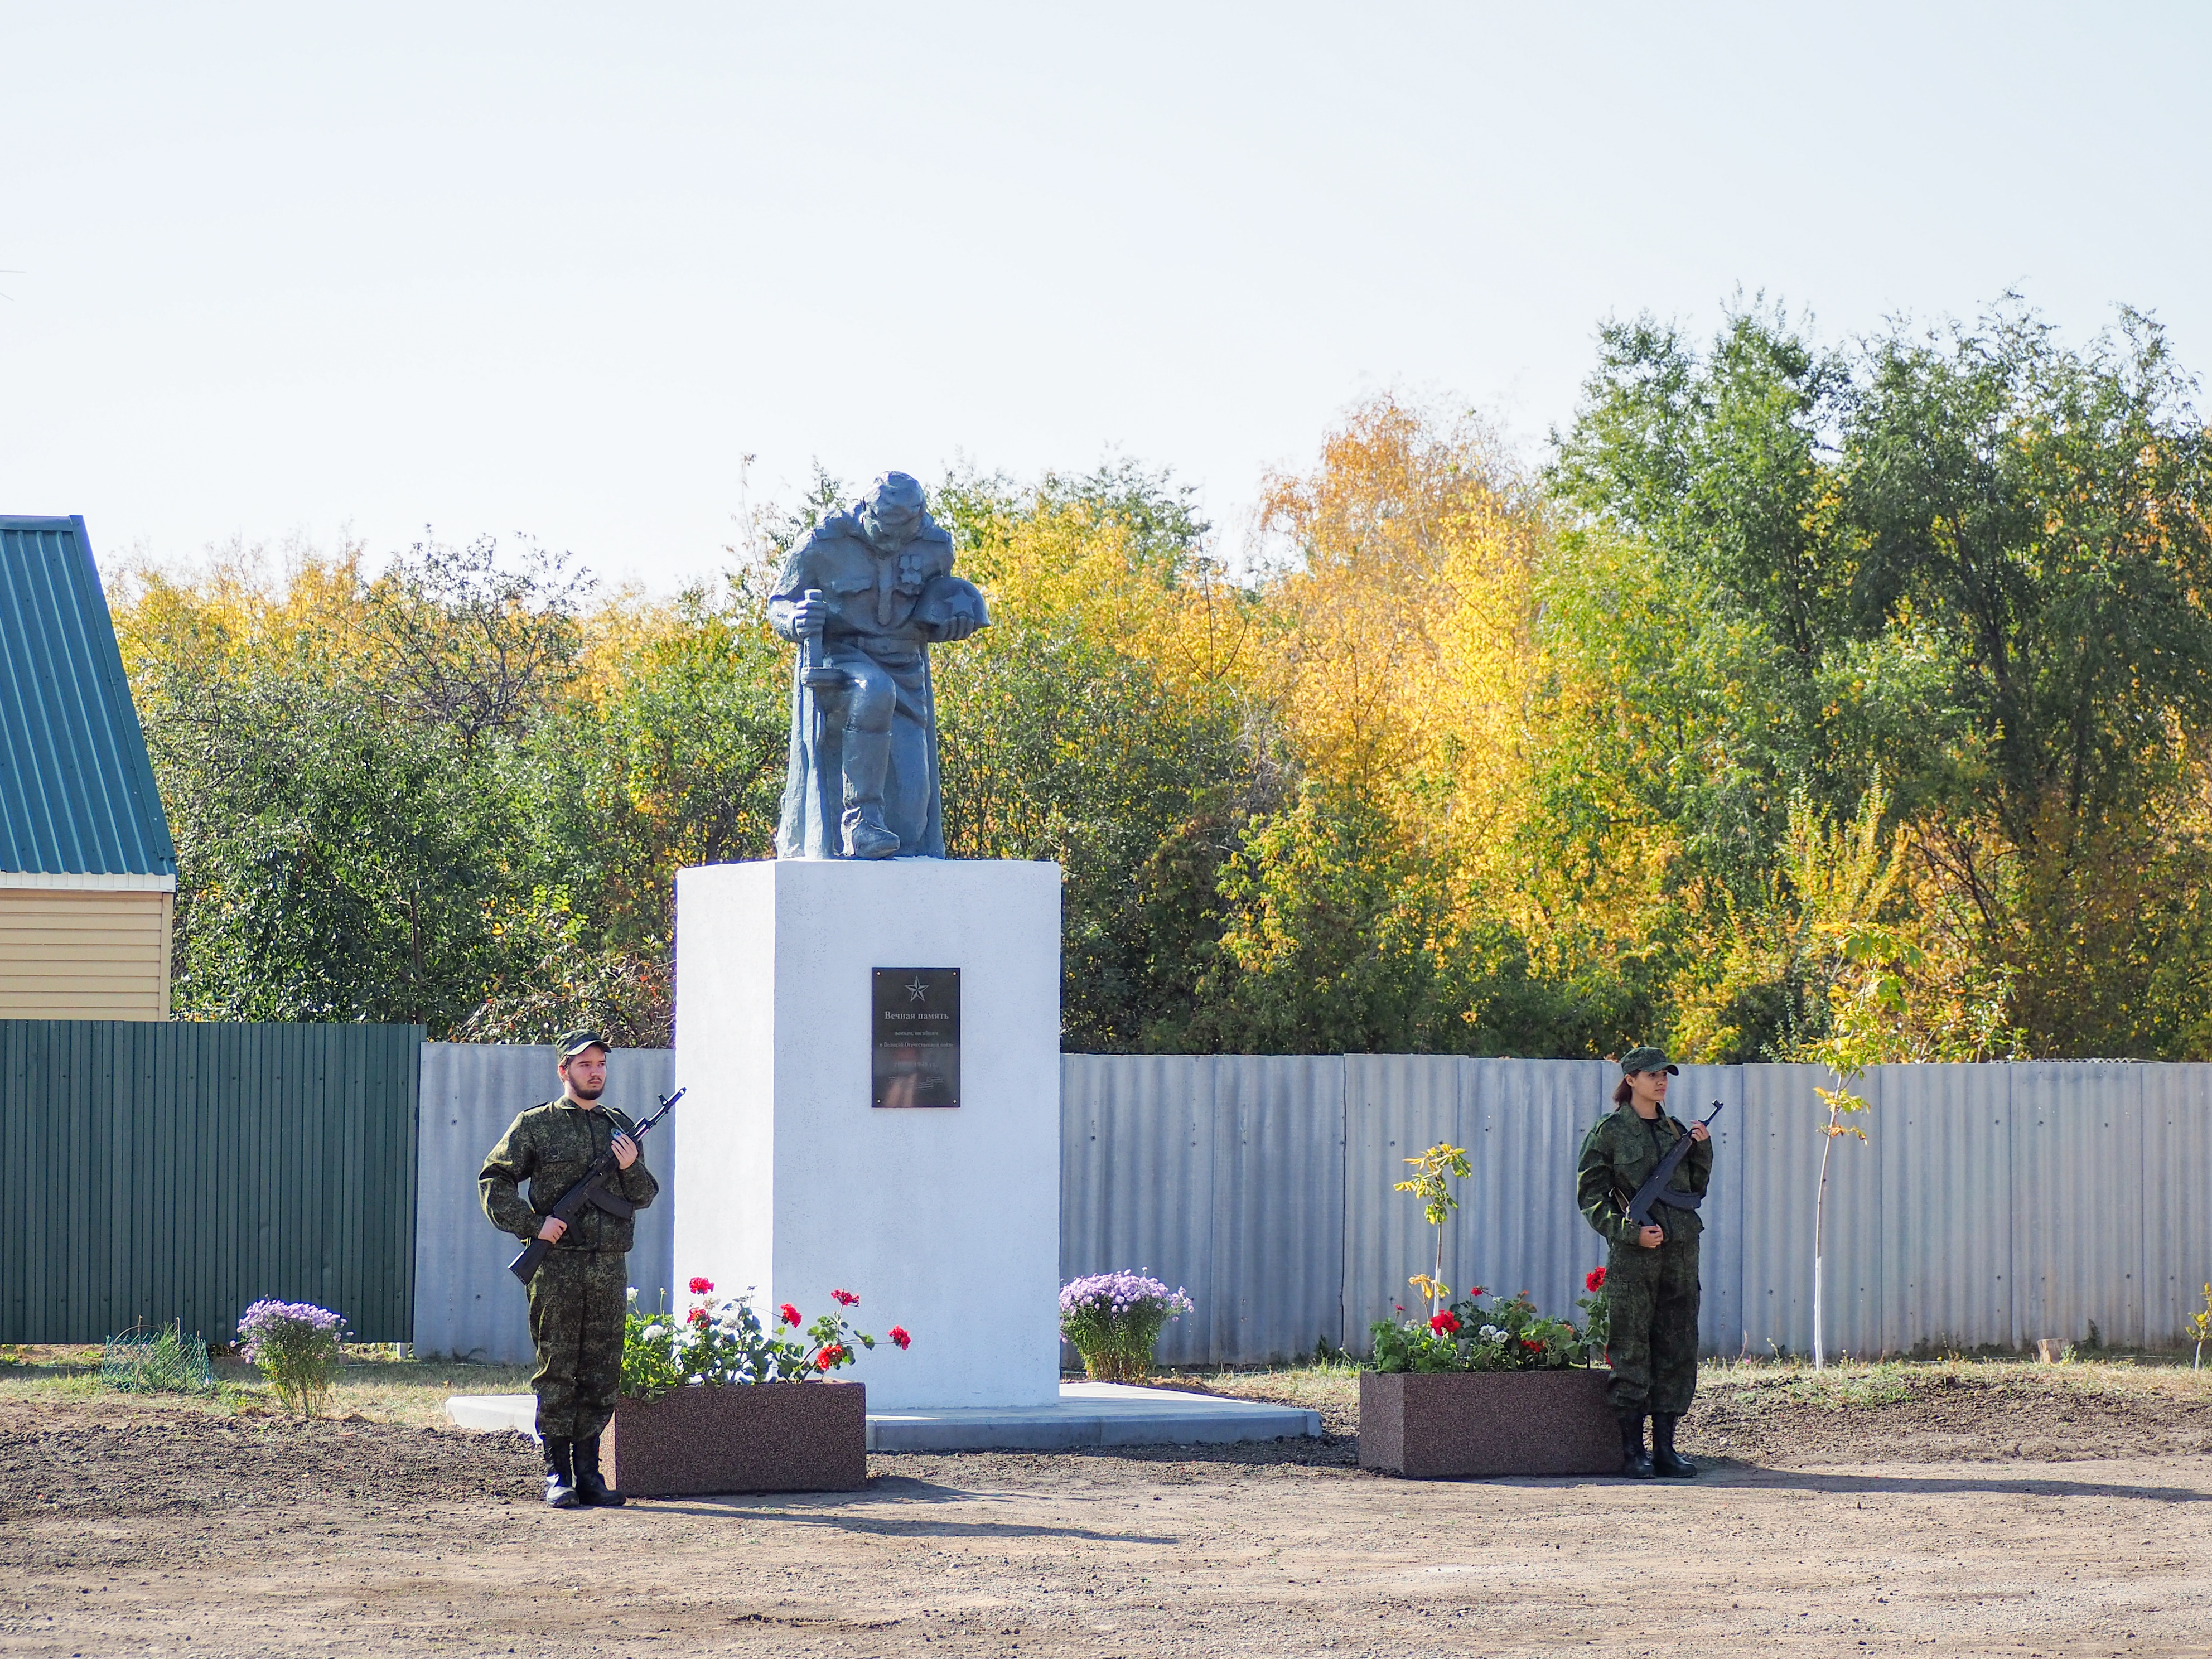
x=492, y=1412
x=1087, y=1414
x=1093, y=1415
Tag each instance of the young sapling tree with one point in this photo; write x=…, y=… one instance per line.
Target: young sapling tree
x=1839, y=1102
x=1433, y=1167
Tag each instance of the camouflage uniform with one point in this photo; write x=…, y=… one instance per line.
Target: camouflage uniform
x=1650, y=1296
x=577, y=1296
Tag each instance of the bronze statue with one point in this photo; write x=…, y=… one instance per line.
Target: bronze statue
x=864, y=595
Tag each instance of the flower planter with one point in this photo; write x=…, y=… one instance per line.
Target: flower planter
x=1441, y=1423
x=767, y=1436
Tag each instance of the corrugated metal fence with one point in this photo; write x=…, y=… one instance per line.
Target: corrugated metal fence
x=154, y=1171
x=466, y=1304
x=158, y=1171
x=1994, y=1204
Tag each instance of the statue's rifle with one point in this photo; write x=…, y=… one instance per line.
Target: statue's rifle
x=815, y=673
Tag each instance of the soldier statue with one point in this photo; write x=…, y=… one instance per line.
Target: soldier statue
x=1650, y=1273
x=581, y=1292
x=864, y=595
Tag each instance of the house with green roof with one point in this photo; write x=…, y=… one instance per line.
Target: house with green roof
x=88, y=872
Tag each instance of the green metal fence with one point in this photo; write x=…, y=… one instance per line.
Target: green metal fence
x=157, y=1171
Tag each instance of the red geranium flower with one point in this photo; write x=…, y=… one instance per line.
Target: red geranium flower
x=828, y=1357
x=1478, y=1290
x=701, y=1286
x=1525, y=1343
x=788, y=1314
x=845, y=1297
x=899, y=1336
x=1444, y=1323
x=1594, y=1280
x=698, y=1316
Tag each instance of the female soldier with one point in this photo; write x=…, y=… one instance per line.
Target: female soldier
x=1650, y=1273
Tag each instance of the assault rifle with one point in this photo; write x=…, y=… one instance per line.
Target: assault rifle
x=1652, y=1191
x=591, y=1187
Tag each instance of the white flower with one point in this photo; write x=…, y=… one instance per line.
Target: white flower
x=652, y=1334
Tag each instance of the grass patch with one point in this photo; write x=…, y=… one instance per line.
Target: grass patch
x=375, y=1384
x=1318, y=1388
x=1755, y=1384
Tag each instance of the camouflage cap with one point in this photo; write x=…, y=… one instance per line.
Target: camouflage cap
x=572, y=1043
x=1648, y=1059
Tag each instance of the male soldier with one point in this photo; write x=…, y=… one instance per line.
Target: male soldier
x=1650, y=1273
x=578, y=1294
x=863, y=780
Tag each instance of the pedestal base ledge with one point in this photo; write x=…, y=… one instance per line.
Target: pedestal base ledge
x=1087, y=1414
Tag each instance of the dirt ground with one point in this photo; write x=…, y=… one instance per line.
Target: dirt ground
x=1957, y=1509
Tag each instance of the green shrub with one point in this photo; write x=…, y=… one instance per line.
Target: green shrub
x=299, y=1349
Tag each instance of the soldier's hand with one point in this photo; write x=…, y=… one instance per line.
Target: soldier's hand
x=551, y=1231
x=1699, y=1132
x=1652, y=1238
x=625, y=1151
x=958, y=627
x=810, y=616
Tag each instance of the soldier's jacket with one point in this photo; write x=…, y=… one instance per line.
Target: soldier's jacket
x=551, y=1147
x=1618, y=1157
x=871, y=596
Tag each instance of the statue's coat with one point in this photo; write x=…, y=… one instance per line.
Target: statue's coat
x=878, y=628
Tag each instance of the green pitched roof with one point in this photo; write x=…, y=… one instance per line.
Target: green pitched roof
x=77, y=791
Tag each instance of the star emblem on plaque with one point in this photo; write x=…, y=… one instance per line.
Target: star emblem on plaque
x=915, y=1047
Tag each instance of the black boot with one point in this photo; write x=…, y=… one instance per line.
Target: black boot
x=1635, y=1461
x=560, y=1480
x=867, y=762
x=591, y=1485
x=1665, y=1459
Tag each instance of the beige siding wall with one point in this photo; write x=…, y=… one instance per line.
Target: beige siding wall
x=67, y=954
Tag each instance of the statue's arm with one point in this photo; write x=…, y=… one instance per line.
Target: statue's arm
x=791, y=585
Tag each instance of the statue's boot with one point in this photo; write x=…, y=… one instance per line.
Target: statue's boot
x=1665, y=1459
x=867, y=764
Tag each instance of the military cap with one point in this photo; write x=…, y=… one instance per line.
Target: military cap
x=1648, y=1059
x=896, y=496
x=572, y=1043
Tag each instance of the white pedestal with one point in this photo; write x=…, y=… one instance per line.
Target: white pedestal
x=944, y=1220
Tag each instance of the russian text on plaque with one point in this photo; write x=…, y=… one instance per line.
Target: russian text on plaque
x=917, y=1018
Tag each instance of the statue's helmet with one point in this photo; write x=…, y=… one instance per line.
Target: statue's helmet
x=893, y=503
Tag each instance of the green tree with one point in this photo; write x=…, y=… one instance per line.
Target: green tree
x=1066, y=735
x=341, y=764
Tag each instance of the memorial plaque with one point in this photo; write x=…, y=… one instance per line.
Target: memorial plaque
x=917, y=1037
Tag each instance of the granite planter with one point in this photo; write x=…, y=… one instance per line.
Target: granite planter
x=767, y=1437
x=1431, y=1424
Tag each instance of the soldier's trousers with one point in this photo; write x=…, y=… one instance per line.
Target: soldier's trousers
x=577, y=1301
x=1651, y=1303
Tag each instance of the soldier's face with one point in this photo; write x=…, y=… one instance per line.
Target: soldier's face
x=888, y=529
x=1650, y=1088
x=586, y=1074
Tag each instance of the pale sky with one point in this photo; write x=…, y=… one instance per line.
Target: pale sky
x=287, y=269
